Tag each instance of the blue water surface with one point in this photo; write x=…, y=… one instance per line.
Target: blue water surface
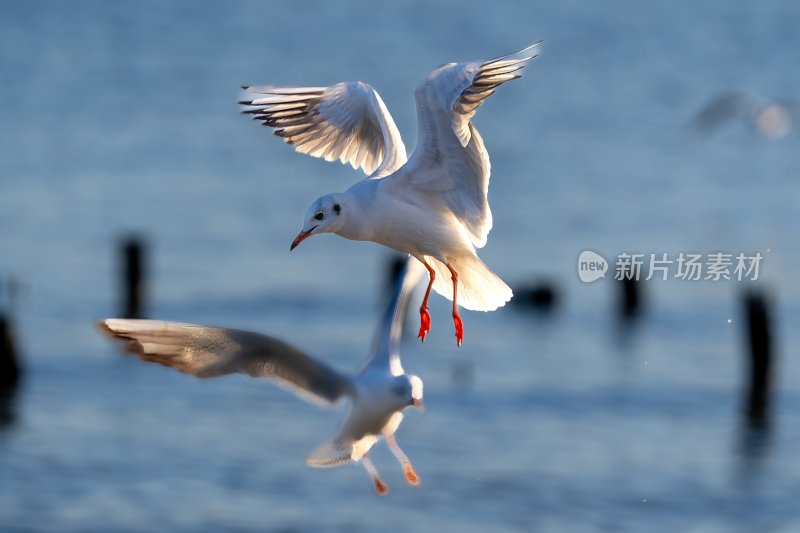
x=121, y=117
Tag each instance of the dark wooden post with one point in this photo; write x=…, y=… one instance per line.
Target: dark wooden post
x=9, y=365
x=540, y=296
x=10, y=372
x=759, y=379
x=133, y=276
x=630, y=298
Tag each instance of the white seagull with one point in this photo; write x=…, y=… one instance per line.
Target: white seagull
x=434, y=205
x=379, y=392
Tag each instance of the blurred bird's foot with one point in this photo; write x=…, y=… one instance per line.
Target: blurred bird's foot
x=380, y=487
x=411, y=476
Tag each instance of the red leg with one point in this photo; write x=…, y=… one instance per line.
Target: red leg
x=408, y=470
x=380, y=486
x=456, y=316
x=424, y=317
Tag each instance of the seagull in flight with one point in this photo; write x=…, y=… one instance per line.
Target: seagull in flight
x=378, y=393
x=770, y=119
x=433, y=206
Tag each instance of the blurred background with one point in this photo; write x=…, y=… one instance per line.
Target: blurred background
x=120, y=119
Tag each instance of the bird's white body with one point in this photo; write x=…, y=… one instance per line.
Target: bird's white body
x=433, y=206
x=375, y=411
x=413, y=226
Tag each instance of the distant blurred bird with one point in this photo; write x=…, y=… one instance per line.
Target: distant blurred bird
x=433, y=206
x=769, y=119
x=379, y=392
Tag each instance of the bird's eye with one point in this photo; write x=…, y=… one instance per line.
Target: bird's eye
x=337, y=208
x=319, y=216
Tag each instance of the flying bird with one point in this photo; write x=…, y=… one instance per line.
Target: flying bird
x=378, y=393
x=433, y=206
x=770, y=119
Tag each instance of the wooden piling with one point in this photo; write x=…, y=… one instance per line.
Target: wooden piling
x=540, y=296
x=630, y=298
x=9, y=363
x=759, y=360
x=133, y=277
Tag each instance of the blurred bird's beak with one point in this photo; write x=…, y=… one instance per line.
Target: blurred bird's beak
x=303, y=235
x=417, y=402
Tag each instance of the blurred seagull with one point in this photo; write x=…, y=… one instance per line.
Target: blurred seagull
x=379, y=392
x=769, y=119
x=434, y=205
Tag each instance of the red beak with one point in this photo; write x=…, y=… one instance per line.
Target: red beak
x=303, y=235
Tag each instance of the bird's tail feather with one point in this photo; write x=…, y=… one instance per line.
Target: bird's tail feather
x=338, y=452
x=330, y=454
x=479, y=289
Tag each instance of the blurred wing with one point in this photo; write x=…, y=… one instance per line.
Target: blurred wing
x=209, y=352
x=450, y=158
x=385, y=347
x=721, y=109
x=347, y=121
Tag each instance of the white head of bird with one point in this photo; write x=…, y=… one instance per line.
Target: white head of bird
x=327, y=214
x=408, y=391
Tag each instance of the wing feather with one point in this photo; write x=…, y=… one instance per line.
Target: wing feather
x=207, y=352
x=450, y=158
x=487, y=76
x=386, y=344
x=347, y=121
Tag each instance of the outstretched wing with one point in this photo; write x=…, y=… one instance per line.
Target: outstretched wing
x=390, y=329
x=347, y=121
x=209, y=352
x=721, y=109
x=450, y=158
